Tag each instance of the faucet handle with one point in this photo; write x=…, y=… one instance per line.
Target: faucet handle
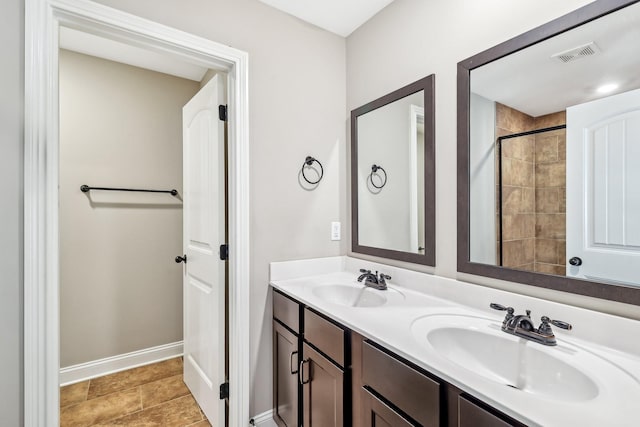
x=546, y=328
x=507, y=317
x=501, y=307
x=383, y=278
x=562, y=325
x=362, y=270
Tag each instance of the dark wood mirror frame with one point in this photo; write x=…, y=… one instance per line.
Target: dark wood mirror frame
x=621, y=293
x=427, y=85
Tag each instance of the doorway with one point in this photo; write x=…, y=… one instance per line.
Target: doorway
x=121, y=293
x=42, y=251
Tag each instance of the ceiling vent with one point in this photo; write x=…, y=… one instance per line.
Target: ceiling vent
x=583, y=51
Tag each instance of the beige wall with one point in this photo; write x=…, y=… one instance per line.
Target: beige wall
x=120, y=126
x=11, y=170
x=420, y=38
x=297, y=108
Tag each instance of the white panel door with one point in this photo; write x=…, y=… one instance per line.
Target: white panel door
x=204, y=232
x=603, y=189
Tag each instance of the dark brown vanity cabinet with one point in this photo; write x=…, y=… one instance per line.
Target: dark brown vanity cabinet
x=311, y=367
x=327, y=376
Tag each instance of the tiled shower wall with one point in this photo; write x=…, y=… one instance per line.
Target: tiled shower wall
x=551, y=195
x=518, y=190
x=533, y=192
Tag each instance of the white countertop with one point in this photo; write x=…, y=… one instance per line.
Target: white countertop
x=613, y=340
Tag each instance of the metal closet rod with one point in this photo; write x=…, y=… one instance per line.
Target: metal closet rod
x=86, y=188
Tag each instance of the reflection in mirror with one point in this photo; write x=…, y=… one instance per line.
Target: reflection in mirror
x=553, y=152
x=392, y=137
x=525, y=227
x=392, y=153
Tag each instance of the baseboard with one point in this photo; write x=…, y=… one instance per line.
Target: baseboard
x=264, y=420
x=122, y=362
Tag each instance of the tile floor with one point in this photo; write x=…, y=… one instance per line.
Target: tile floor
x=152, y=395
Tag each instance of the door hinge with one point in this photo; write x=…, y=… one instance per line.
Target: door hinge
x=222, y=112
x=224, y=252
x=224, y=391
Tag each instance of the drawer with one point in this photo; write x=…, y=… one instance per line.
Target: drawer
x=413, y=392
x=324, y=335
x=286, y=311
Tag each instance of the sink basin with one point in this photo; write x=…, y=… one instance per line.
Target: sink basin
x=479, y=346
x=356, y=295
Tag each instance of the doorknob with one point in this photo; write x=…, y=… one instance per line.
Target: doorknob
x=180, y=259
x=575, y=261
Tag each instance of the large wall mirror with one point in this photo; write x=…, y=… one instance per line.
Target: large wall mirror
x=549, y=155
x=393, y=176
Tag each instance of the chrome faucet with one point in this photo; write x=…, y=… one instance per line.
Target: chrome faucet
x=522, y=326
x=376, y=281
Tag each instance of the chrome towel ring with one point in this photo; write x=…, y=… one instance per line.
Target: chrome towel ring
x=308, y=162
x=374, y=170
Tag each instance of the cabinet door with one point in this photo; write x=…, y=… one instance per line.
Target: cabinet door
x=285, y=376
x=377, y=414
x=322, y=390
x=472, y=415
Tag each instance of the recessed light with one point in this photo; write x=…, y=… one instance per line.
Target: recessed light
x=609, y=87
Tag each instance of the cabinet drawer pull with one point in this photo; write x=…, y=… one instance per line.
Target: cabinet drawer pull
x=301, y=373
x=291, y=364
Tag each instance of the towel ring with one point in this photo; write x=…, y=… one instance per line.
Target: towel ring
x=308, y=162
x=375, y=169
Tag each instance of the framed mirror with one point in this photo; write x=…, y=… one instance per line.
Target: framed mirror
x=393, y=175
x=549, y=155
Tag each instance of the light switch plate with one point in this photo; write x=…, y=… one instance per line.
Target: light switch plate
x=335, y=231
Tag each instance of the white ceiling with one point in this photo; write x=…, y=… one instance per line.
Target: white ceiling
x=341, y=17
x=535, y=83
x=100, y=47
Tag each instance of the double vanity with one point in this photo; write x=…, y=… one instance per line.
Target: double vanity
x=431, y=351
x=547, y=196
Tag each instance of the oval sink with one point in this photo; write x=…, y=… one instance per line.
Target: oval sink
x=356, y=295
x=478, y=345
